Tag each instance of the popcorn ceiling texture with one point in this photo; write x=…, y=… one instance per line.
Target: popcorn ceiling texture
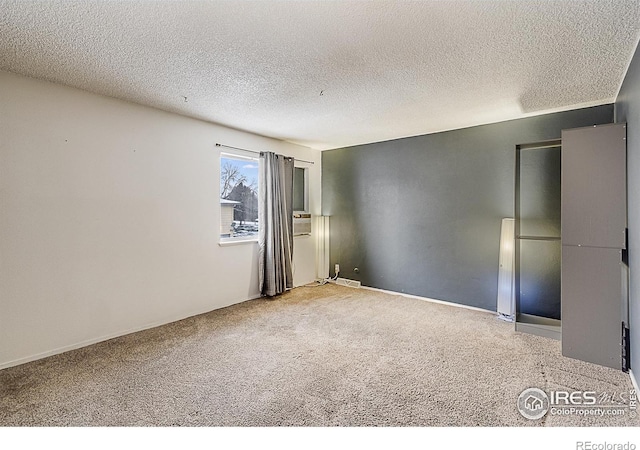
x=386, y=69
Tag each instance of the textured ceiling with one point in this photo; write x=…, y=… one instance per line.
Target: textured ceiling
x=328, y=74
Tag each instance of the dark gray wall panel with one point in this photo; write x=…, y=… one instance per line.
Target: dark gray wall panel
x=628, y=110
x=594, y=200
x=422, y=215
x=591, y=312
x=540, y=180
x=538, y=185
x=540, y=278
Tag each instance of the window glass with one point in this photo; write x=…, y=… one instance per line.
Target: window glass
x=299, y=189
x=238, y=197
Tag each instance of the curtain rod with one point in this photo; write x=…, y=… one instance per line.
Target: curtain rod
x=253, y=151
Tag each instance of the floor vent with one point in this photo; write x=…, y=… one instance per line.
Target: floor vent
x=348, y=283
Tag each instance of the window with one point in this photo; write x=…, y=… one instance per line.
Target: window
x=301, y=216
x=300, y=189
x=238, y=197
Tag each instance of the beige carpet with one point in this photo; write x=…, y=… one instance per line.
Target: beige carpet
x=316, y=356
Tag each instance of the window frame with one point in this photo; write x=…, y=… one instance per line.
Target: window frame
x=306, y=189
x=242, y=156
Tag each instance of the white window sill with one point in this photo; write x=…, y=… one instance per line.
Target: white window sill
x=230, y=242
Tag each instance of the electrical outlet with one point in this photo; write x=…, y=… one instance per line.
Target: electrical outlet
x=337, y=268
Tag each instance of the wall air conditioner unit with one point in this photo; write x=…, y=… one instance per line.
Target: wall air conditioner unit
x=301, y=224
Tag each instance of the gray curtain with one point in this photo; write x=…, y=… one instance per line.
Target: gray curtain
x=275, y=216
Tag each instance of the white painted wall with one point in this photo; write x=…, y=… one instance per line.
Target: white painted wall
x=109, y=219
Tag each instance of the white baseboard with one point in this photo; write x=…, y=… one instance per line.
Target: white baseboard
x=66, y=348
x=634, y=381
x=432, y=300
x=296, y=285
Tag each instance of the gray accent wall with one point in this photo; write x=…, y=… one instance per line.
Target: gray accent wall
x=422, y=215
x=627, y=109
